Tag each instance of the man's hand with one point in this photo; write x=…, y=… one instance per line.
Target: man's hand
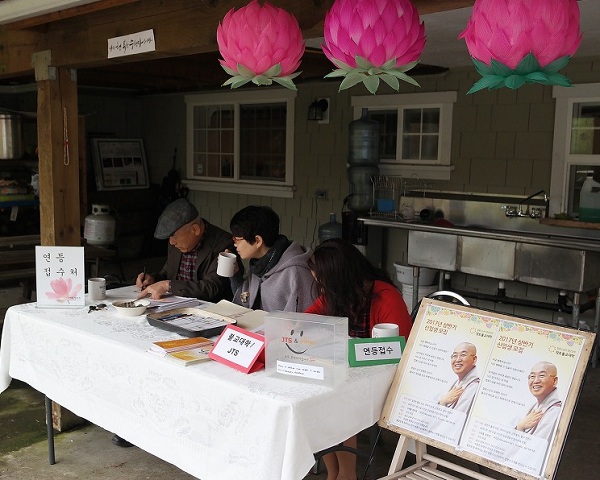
x=155, y=290
x=452, y=396
x=530, y=420
x=143, y=280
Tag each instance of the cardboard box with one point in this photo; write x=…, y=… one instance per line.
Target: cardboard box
x=306, y=347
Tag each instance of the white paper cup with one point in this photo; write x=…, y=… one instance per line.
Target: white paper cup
x=385, y=330
x=226, y=264
x=97, y=288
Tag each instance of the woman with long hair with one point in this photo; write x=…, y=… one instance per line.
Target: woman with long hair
x=349, y=286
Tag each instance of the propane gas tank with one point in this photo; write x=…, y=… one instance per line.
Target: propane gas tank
x=99, y=227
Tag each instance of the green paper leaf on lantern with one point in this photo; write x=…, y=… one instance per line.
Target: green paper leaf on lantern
x=557, y=64
x=537, y=77
x=236, y=81
x=389, y=64
x=529, y=64
x=262, y=80
x=391, y=80
x=337, y=73
x=498, y=68
x=351, y=80
x=408, y=66
x=404, y=77
x=363, y=63
x=285, y=82
x=372, y=83
x=244, y=72
x=274, y=71
x=229, y=71
x=514, y=81
x=559, y=79
x=482, y=68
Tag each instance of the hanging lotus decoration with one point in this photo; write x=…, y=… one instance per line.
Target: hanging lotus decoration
x=514, y=42
x=260, y=44
x=373, y=40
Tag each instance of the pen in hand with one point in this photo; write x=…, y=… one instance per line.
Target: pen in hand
x=143, y=278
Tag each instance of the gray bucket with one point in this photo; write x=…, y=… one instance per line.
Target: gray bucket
x=11, y=137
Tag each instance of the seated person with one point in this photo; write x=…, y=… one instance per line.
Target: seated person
x=278, y=277
x=191, y=267
x=349, y=286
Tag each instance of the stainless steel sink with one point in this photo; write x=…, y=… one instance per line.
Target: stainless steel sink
x=555, y=261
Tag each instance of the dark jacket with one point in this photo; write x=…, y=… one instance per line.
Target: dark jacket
x=206, y=285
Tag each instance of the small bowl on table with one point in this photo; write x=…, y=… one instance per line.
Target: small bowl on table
x=131, y=308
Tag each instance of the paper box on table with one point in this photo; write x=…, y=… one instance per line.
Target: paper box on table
x=306, y=347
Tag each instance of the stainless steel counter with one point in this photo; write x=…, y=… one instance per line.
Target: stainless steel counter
x=537, y=238
x=555, y=261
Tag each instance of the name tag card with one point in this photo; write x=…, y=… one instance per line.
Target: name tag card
x=60, y=276
x=363, y=352
x=239, y=349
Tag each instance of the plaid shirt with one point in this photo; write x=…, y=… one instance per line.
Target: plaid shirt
x=187, y=265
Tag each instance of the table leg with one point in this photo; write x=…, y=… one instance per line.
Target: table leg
x=50, y=431
x=596, y=325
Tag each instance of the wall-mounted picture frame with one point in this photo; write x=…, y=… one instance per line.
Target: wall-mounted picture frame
x=120, y=164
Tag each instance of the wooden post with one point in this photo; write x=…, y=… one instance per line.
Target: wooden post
x=57, y=125
x=58, y=153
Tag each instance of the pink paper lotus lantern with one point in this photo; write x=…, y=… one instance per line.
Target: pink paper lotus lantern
x=373, y=40
x=513, y=42
x=260, y=44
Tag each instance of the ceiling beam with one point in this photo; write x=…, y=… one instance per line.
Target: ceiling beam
x=181, y=27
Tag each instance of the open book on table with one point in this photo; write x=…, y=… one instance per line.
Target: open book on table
x=245, y=318
x=491, y=388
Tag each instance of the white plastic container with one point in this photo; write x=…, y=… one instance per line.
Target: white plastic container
x=589, y=201
x=404, y=274
x=407, y=293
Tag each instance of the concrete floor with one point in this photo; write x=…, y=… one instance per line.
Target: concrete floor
x=87, y=452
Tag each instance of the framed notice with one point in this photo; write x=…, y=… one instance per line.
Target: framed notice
x=60, y=276
x=119, y=164
x=494, y=389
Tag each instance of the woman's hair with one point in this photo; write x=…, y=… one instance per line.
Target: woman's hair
x=340, y=272
x=255, y=220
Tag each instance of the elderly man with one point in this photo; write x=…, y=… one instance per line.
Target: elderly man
x=462, y=390
x=191, y=267
x=541, y=418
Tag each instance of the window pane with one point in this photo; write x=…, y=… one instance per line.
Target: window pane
x=388, y=128
x=430, y=147
x=577, y=175
x=200, y=164
x=411, y=147
x=585, y=130
x=262, y=142
x=412, y=120
x=431, y=120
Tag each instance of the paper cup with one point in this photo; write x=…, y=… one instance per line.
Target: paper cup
x=226, y=264
x=97, y=288
x=385, y=330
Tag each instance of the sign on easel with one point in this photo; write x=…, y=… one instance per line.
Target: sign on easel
x=494, y=389
x=60, y=276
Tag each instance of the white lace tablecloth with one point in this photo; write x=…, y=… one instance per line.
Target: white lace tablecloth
x=208, y=419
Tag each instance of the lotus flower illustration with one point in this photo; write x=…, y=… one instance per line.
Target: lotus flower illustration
x=513, y=42
x=373, y=40
x=260, y=44
x=63, y=290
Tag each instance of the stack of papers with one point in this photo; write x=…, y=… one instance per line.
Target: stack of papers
x=171, y=302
